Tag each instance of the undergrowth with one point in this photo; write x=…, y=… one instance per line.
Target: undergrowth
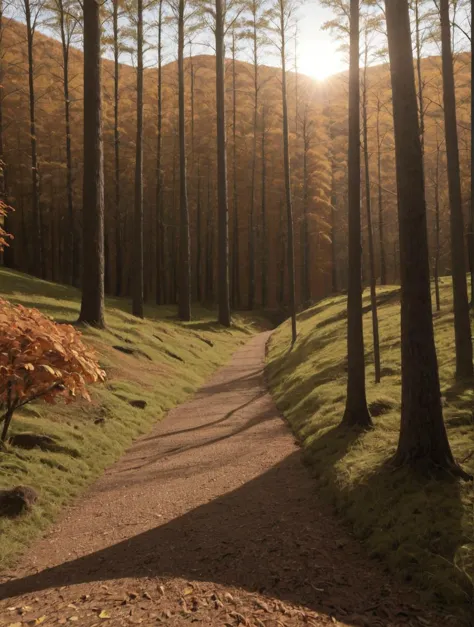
x=158, y=360
x=421, y=528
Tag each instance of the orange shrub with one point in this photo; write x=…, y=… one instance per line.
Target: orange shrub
x=40, y=359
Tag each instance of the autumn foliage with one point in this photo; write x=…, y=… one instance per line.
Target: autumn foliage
x=40, y=359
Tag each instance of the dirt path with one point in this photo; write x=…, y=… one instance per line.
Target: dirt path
x=211, y=519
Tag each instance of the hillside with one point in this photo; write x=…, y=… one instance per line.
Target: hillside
x=158, y=362
x=423, y=530
x=318, y=120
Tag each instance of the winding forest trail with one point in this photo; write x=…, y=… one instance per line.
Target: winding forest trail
x=212, y=519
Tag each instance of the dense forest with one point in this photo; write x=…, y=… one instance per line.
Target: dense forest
x=317, y=113
x=262, y=192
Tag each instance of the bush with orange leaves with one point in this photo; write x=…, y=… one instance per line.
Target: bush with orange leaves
x=40, y=359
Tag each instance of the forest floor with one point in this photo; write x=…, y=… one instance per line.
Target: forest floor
x=213, y=519
x=152, y=365
x=422, y=528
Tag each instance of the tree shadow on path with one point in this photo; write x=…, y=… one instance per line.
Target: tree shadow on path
x=269, y=536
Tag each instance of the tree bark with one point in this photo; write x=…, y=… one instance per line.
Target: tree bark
x=368, y=200
x=306, y=259
x=7, y=254
x=184, y=292
x=437, y=231
x=138, y=286
x=38, y=266
x=223, y=211
x=70, y=225
x=236, y=295
x=117, y=190
x=462, y=324
x=251, y=250
x=160, y=231
x=92, y=304
x=356, y=411
x=264, y=214
x=383, y=260
x=423, y=440
x=334, y=282
x=199, y=236
x=287, y=174
x=471, y=206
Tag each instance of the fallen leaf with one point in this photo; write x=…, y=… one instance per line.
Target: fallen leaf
x=262, y=605
x=188, y=591
x=40, y=620
x=104, y=614
x=25, y=609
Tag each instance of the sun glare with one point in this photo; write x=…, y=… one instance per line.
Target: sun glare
x=318, y=59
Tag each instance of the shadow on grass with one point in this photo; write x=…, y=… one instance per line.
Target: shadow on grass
x=415, y=524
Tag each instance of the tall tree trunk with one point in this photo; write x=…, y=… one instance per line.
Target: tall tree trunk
x=118, y=217
x=368, y=200
x=199, y=236
x=306, y=260
x=264, y=243
x=437, y=230
x=287, y=174
x=383, y=261
x=160, y=231
x=281, y=259
x=334, y=282
x=471, y=206
x=184, y=291
x=236, y=296
x=462, y=325
x=419, y=74
x=223, y=211
x=92, y=304
x=356, y=412
x=38, y=266
x=209, y=259
x=70, y=226
x=253, y=192
x=137, y=301
x=7, y=254
x=423, y=439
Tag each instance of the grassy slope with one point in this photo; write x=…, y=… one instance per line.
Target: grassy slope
x=154, y=374
x=422, y=529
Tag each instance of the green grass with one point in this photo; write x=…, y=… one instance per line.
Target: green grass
x=170, y=361
x=421, y=528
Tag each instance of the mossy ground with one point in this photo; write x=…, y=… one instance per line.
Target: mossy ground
x=422, y=528
x=169, y=361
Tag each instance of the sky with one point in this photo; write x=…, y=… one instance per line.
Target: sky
x=318, y=54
